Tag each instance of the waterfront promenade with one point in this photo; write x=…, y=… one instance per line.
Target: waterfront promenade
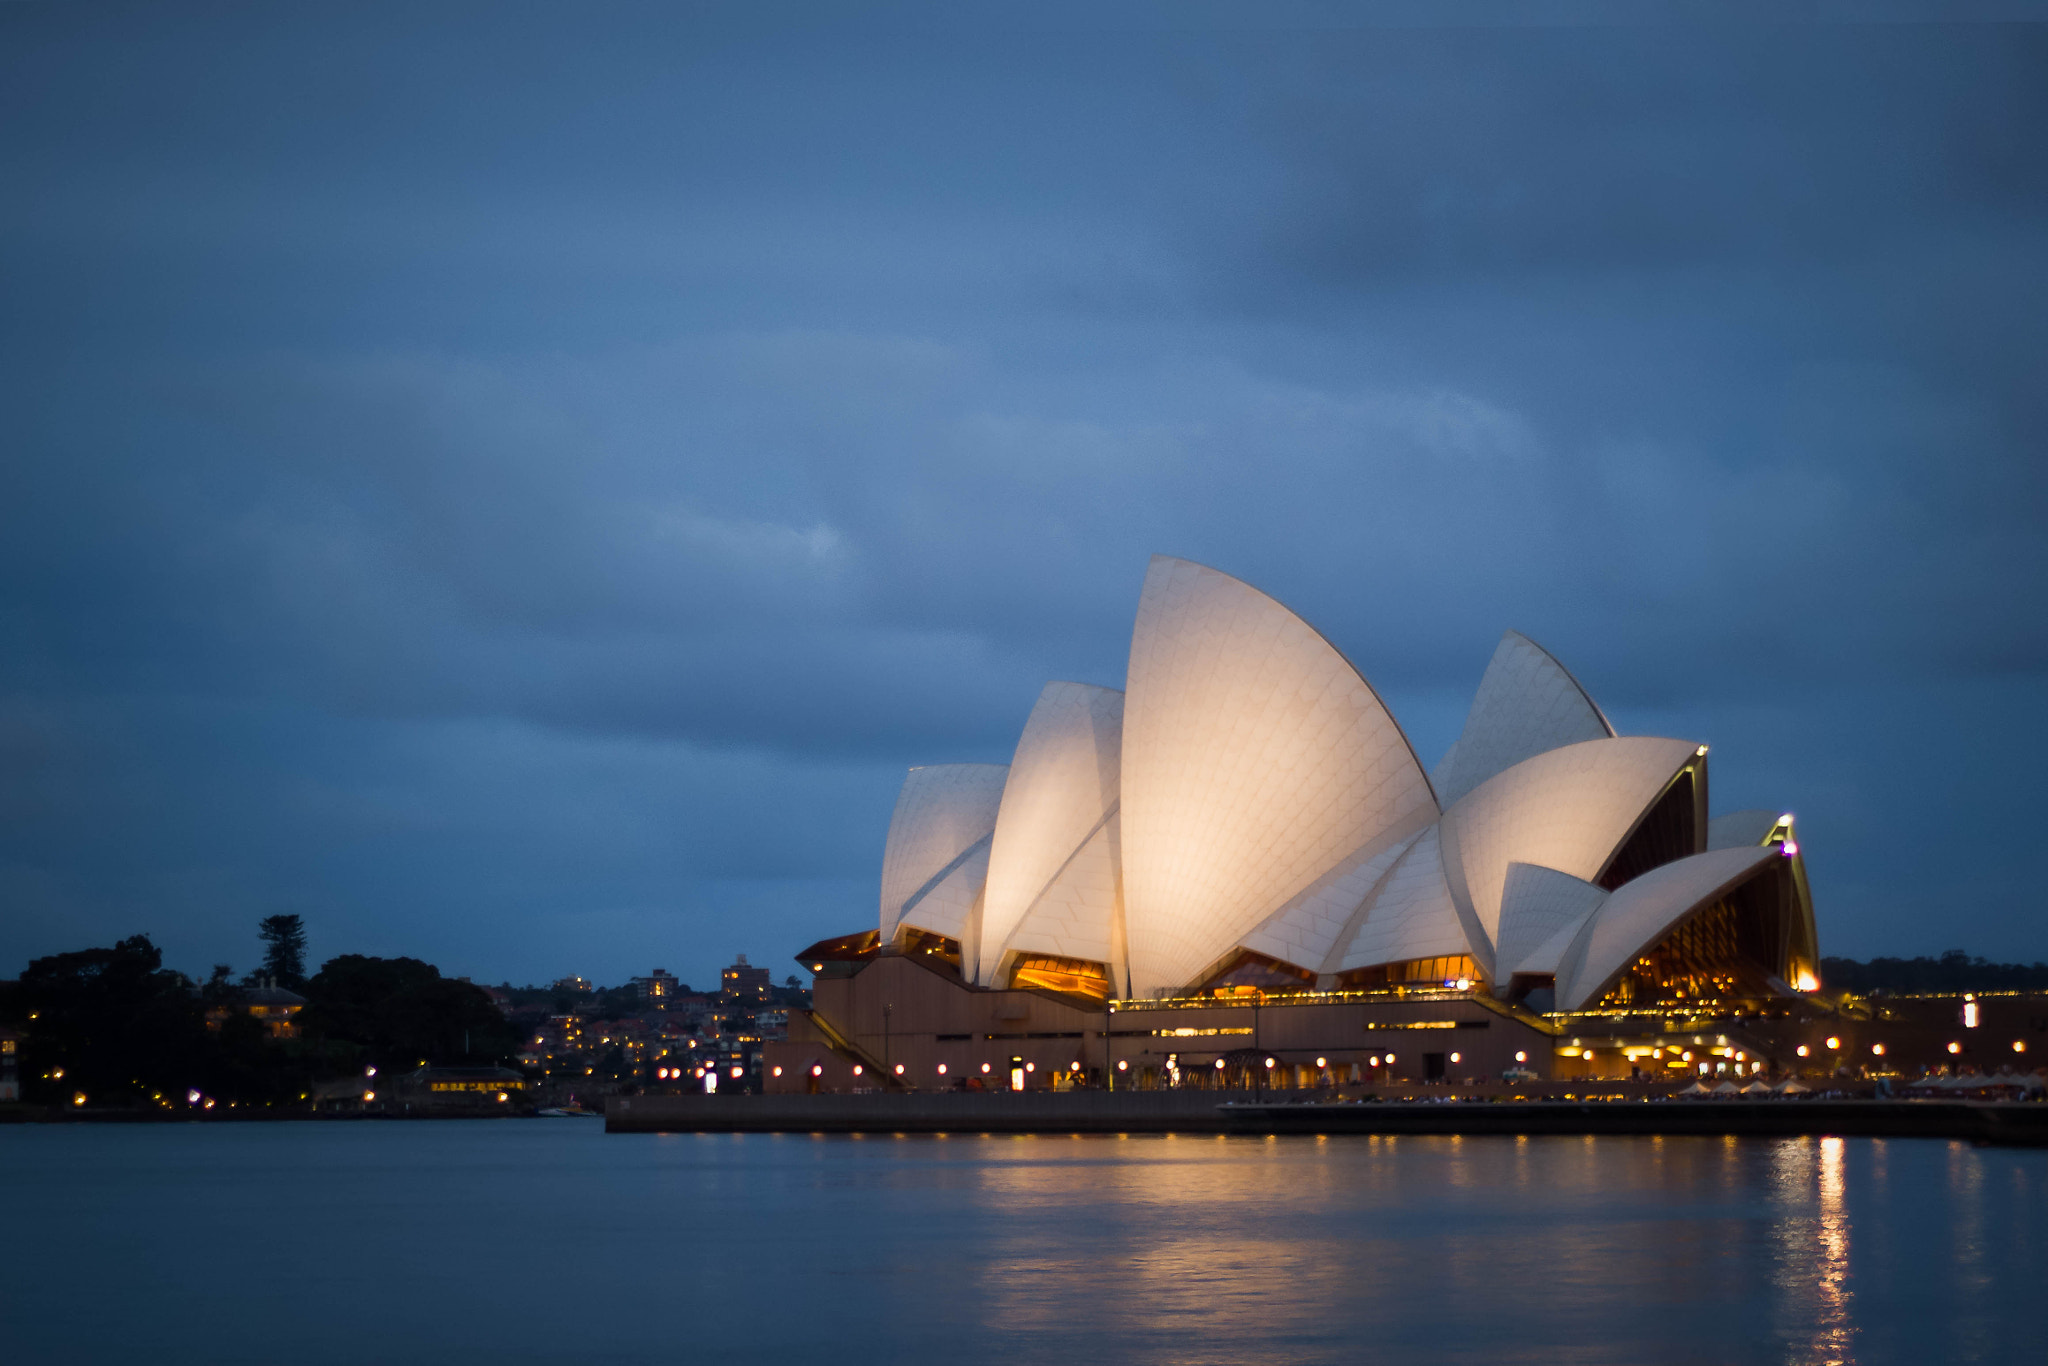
x=1212, y=1112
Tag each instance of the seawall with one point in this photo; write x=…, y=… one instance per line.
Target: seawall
x=1201, y=1112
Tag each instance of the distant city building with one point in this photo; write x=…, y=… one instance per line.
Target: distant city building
x=427, y=1091
x=276, y=1008
x=658, y=988
x=269, y=1003
x=572, y=984
x=488, y=1085
x=743, y=983
x=10, y=1075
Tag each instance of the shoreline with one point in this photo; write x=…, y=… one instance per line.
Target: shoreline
x=2022, y=1123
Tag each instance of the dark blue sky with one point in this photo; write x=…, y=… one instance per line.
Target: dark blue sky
x=518, y=486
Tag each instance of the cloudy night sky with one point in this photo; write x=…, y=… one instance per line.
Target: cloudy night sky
x=518, y=486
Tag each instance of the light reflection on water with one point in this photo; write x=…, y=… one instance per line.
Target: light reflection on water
x=517, y=1242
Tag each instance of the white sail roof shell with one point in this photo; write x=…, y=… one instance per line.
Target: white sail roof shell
x=1311, y=930
x=1541, y=912
x=1742, y=829
x=1527, y=703
x=950, y=905
x=1411, y=915
x=1642, y=911
x=1568, y=809
x=1057, y=806
x=1078, y=914
x=937, y=853
x=1255, y=758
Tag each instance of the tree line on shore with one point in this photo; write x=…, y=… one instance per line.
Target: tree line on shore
x=115, y=1025
x=1952, y=972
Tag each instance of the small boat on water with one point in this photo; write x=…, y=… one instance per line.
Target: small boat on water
x=568, y=1112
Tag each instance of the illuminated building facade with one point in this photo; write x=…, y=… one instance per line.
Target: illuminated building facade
x=740, y=982
x=1246, y=831
x=658, y=988
x=270, y=1005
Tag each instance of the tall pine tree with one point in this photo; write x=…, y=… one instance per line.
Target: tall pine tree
x=284, y=950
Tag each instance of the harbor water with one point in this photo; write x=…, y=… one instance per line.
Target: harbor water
x=550, y=1241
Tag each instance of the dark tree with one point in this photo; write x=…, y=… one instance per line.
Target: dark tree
x=284, y=950
x=113, y=1021
x=125, y=1030
x=1953, y=971
x=401, y=1012
x=220, y=989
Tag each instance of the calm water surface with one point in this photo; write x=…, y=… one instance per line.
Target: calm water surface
x=549, y=1241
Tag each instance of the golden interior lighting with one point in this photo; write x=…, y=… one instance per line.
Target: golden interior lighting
x=1070, y=976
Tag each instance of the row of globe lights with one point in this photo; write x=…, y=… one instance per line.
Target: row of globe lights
x=191, y=1097
x=818, y=1070
x=676, y=1073
x=1877, y=1049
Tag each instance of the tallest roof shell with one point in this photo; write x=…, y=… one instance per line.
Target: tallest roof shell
x=1527, y=703
x=1255, y=757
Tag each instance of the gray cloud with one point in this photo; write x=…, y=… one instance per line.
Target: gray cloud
x=521, y=492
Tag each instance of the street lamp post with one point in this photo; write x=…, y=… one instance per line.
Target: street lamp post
x=1109, y=1047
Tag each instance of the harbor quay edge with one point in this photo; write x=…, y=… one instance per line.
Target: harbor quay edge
x=1200, y=1112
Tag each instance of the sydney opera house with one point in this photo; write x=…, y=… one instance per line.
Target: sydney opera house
x=1238, y=869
